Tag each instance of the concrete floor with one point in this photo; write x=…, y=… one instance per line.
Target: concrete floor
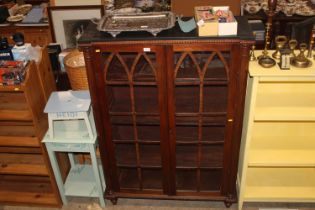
x=139, y=204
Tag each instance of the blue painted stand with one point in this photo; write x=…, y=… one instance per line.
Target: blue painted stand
x=72, y=129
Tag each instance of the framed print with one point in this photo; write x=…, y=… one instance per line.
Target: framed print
x=75, y=2
x=68, y=23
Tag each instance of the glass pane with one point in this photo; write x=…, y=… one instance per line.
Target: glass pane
x=217, y=67
x=213, y=133
x=186, y=156
x=126, y=154
x=145, y=69
x=187, y=98
x=211, y=156
x=149, y=132
x=118, y=98
x=150, y=155
x=215, y=98
x=114, y=68
x=128, y=178
x=211, y=180
x=128, y=58
x=186, y=180
x=152, y=179
x=122, y=132
x=187, y=133
x=186, y=66
x=146, y=99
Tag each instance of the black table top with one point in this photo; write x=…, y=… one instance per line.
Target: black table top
x=91, y=34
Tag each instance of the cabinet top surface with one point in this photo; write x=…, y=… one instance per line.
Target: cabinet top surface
x=91, y=34
x=256, y=70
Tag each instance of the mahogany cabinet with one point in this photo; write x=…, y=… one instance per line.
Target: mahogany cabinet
x=168, y=112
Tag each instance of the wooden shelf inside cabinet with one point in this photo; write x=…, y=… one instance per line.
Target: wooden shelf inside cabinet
x=25, y=174
x=276, y=162
x=280, y=184
x=280, y=147
x=285, y=114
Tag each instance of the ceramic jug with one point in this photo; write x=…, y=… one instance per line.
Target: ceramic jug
x=252, y=7
x=144, y=3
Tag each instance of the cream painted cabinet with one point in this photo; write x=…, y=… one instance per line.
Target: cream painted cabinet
x=277, y=157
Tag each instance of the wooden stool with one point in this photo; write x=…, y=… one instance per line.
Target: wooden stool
x=72, y=129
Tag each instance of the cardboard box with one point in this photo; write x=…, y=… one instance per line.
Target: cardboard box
x=215, y=21
x=186, y=9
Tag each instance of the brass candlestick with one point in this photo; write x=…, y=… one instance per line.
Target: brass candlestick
x=311, y=43
x=292, y=45
x=301, y=61
x=272, y=5
x=252, y=56
x=265, y=60
x=280, y=42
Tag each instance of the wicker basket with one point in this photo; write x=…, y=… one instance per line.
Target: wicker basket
x=75, y=67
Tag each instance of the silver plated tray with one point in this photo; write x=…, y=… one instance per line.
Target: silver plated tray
x=153, y=22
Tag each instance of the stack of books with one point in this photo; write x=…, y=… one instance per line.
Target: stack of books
x=258, y=28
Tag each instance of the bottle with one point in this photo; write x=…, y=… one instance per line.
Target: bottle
x=5, y=49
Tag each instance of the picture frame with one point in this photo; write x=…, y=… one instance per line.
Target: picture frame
x=75, y=2
x=68, y=23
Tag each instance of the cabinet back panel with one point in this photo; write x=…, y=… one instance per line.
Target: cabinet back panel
x=215, y=98
x=145, y=133
x=201, y=65
x=189, y=99
x=150, y=155
x=126, y=154
x=120, y=100
x=146, y=99
x=211, y=155
x=128, y=178
x=186, y=180
x=152, y=179
x=211, y=180
x=189, y=133
x=126, y=119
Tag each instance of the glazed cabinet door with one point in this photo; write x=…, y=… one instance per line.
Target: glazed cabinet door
x=131, y=89
x=200, y=104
